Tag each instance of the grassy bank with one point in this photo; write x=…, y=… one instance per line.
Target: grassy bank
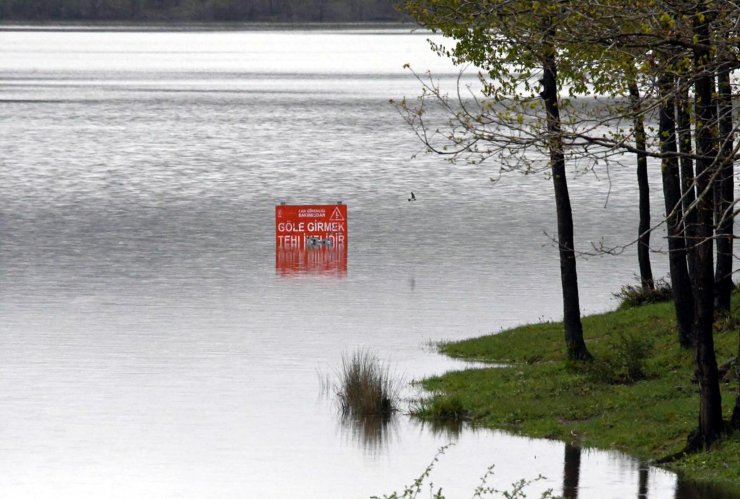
x=646, y=410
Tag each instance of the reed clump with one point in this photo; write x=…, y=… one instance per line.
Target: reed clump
x=366, y=387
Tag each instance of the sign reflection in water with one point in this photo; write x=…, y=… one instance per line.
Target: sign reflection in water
x=312, y=260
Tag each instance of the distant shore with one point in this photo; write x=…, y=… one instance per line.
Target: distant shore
x=201, y=26
x=604, y=404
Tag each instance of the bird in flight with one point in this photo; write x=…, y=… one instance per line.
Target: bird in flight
x=412, y=198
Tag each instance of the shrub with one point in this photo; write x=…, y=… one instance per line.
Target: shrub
x=636, y=295
x=626, y=361
x=632, y=351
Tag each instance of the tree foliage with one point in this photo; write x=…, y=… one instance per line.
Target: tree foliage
x=635, y=61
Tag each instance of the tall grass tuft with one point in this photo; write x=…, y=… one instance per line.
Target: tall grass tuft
x=635, y=295
x=366, y=387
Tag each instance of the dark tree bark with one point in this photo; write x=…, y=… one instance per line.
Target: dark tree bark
x=688, y=190
x=735, y=421
x=724, y=196
x=571, y=471
x=710, y=401
x=643, y=231
x=680, y=282
x=575, y=345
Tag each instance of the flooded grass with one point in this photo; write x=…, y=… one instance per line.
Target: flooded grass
x=441, y=409
x=366, y=387
x=367, y=394
x=646, y=406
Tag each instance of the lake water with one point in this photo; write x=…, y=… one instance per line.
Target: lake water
x=149, y=347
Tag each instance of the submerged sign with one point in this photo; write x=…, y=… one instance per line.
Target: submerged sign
x=311, y=238
x=305, y=226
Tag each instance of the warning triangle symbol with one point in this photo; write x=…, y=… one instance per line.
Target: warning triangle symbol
x=336, y=215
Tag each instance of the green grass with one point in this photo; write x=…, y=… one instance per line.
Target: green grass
x=539, y=394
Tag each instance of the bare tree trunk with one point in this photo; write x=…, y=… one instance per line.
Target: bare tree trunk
x=724, y=196
x=576, y=347
x=710, y=401
x=735, y=422
x=688, y=190
x=643, y=231
x=680, y=282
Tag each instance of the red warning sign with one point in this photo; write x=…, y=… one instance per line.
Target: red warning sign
x=311, y=239
x=310, y=226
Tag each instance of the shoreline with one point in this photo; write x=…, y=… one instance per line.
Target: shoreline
x=600, y=405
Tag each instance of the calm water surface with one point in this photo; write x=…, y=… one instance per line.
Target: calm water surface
x=149, y=348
